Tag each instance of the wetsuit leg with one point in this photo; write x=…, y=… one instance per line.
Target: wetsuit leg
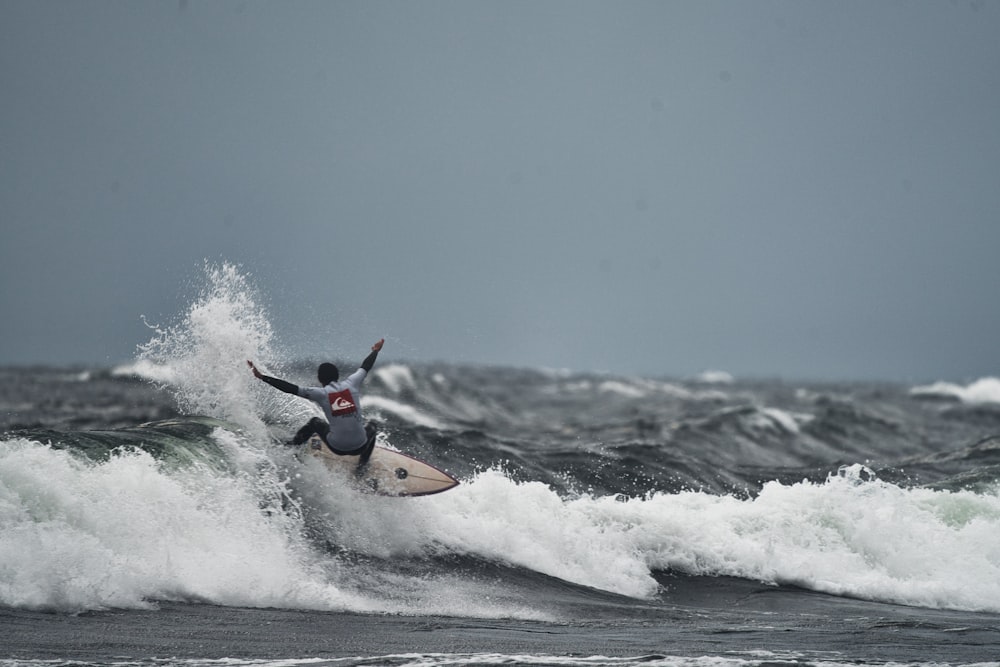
x=315, y=425
x=371, y=429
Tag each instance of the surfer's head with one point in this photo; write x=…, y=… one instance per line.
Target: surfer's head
x=327, y=373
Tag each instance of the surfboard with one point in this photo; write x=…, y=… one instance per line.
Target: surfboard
x=387, y=473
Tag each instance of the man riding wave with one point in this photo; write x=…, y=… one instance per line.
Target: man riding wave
x=344, y=431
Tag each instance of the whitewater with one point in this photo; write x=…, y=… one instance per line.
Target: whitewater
x=600, y=519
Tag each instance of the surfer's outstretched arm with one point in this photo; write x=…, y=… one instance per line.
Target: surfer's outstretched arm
x=284, y=386
x=370, y=359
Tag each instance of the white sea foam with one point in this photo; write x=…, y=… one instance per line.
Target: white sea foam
x=984, y=390
x=372, y=404
x=621, y=388
x=396, y=377
x=203, y=357
x=714, y=377
x=847, y=536
x=772, y=418
x=78, y=535
x=644, y=387
x=147, y=370
x=83, y=535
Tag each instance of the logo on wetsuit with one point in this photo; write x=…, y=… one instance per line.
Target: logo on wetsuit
x=342, y=403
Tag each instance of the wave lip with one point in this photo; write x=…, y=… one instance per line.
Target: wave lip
x=145, y=369
x=983, y=390
x=715, y=377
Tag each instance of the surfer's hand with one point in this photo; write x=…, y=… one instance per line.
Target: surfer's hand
x=256, y=373
x=378, y=346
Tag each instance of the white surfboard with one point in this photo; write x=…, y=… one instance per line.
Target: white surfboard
x=387, y=473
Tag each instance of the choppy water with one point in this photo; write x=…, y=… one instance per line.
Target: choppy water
x=658, y=521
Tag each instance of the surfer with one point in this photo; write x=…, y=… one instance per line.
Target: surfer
x=344, y=430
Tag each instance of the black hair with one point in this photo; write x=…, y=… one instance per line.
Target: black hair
x=327, y=373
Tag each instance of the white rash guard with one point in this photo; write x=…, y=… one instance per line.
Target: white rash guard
x=339, y=402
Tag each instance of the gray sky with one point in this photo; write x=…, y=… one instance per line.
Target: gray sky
x=795, y=189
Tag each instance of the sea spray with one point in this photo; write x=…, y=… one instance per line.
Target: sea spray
x=852, y=535
x=78, y=534
x=983, y=391
x=201, y=360
x=303, y=539
x=205, y=355
x=129, y=531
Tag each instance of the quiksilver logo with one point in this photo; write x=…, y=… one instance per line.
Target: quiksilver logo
x=342, y=403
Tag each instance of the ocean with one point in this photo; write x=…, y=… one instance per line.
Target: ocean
x=151, y=514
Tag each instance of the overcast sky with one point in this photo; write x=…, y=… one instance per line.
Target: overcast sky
x=793, y=189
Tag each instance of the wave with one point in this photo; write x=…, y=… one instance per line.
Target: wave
x=848, y=536
x=245, y=526
x=586, y=482
x=377, y=405
x=118, y=531
x=117, y=526
x=983, y=390
x=145, y=369
x=715, y=377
